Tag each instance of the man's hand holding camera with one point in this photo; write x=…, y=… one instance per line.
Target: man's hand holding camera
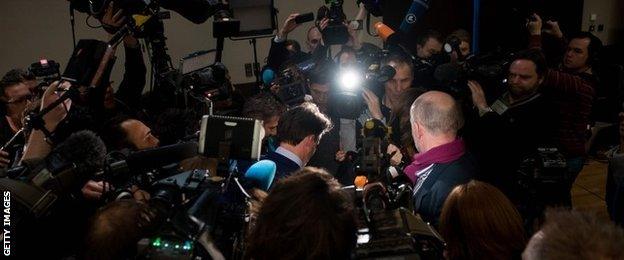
x=289, y=25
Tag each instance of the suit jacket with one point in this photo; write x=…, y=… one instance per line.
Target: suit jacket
x=429, y=199
x=285, y=167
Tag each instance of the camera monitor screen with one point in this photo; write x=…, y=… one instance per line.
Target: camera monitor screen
x=226, y=138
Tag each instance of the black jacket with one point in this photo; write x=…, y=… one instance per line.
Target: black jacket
x=430, y=197
x=502, y=141
x=285, y=167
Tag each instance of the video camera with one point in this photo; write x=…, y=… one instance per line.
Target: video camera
x=45, y=72
x=336, y=31
x=369, y=73
x=196, y=11
x=293, y=82
x=191, y=204
x=387, y=229
x=489, y=69
x=211, y=82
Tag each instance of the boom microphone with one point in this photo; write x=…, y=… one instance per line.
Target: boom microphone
x=150, y=159
x=392, y=38
x=416, y=11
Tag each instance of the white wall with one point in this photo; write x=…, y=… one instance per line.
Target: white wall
x=34, y=29
x=609, y=13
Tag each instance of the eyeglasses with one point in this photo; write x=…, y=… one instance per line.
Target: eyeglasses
x=314, y=41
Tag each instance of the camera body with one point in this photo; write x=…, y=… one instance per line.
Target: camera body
x=46, y=72
x=336, y=31
x=489, y=69
x=293, y=82
x=351, y=81
x=211, y=82
x=387, y=229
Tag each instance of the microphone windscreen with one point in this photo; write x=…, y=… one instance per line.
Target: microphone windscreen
x=261, y=174
x=383, y=31
x=360, y=181
x=268, y=75
x=84, y=149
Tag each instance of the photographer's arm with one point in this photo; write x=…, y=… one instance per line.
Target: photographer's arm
x=555, y=51
x=37, y=146
x=478, y=98
x=354, y=34
x=278, y=53
x=131, y=87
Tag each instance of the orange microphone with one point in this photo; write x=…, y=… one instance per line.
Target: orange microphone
x=383, y=31
x=360, y=181
x=392, y=38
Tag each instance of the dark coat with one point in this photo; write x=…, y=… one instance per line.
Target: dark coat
x=429, y=199
x=284, y=166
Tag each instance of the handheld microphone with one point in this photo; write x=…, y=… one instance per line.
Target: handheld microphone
x=416, y=11
x=261, y=174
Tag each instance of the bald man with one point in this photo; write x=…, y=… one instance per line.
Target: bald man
x=441, y=162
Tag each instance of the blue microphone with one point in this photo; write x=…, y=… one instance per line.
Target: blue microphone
x=261, y=174
x=268, y=75
x=416, y=11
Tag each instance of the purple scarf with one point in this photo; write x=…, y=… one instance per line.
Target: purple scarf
x=441, y=154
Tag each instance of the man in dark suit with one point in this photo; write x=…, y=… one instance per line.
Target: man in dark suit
x=299, y=131
x=442, y=161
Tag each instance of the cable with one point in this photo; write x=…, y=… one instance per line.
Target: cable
x=72, y=22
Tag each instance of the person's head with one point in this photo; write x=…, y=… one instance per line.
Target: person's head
x=115, y=230
x=428, y=43
x=526, y=73
x=435, y=118
x=175, y=124
x=15, y=92
x=267, y=108
x=306, y=216
x=314, y=38
x=124, y=132
x=292, y=46
x=582, y=52
x=320, y=79
x=301, y=128
x=403, y=78
x=479, y=222
x=464, y=37
x=346, y=57
x=570, y=234
x=402, y=114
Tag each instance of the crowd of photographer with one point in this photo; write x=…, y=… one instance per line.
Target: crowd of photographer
x=369, y=152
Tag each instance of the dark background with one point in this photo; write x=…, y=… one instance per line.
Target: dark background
x=502, y=21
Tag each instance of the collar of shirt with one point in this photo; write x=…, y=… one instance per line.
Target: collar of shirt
x=290, y=155
x=422, y=176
